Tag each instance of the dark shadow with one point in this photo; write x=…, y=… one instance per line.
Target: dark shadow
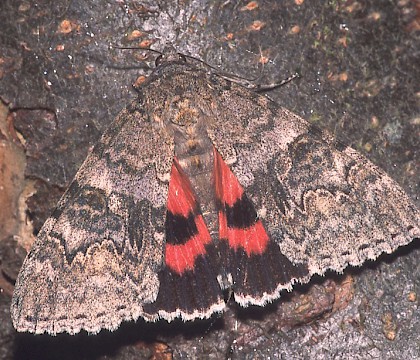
x=84, y=346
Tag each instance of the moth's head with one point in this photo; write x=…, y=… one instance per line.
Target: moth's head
x=170, y=56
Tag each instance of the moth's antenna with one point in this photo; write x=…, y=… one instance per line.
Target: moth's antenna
x=136, y=48
x=248, y=83
x=259, y=87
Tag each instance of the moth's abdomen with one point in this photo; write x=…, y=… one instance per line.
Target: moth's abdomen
x=195, y=157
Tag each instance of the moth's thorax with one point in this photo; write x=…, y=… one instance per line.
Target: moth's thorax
x=184, y=112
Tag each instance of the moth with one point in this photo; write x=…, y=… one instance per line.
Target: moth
x=199, y=186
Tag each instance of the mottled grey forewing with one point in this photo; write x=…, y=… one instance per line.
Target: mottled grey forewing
x=324, y=204
x=94, y=263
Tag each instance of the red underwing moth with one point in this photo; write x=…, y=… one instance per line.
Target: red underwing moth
x=201, y=185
